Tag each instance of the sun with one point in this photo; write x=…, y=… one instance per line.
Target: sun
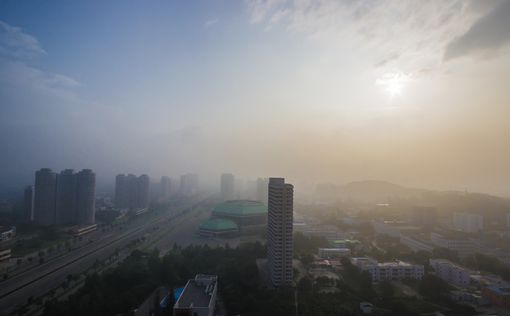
x=393, y=83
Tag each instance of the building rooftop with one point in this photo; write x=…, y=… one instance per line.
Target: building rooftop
x=219, y=224
x=240, y=208
x=500, y=289
x=198, y=292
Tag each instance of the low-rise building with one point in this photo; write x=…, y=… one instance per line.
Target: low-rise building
x=497, y=294
x=243, y=212
x=416, y=244
x=218, y=227
x=5, y=254
x=327, y=253
x=198, y=297
x=463, y=246
x=393, y=228
x=7, y=233
x=330, y=232
x=468, y=223
x=389, y=271
x=451, y=272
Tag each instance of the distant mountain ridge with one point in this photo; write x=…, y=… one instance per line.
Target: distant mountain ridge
x=376, y=190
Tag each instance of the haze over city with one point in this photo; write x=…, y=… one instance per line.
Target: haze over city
x=317, y=91
x=255, y=158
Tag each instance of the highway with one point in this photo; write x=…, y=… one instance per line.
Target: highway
x=36, y=282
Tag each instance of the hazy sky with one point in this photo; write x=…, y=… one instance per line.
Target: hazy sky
x=414, y=92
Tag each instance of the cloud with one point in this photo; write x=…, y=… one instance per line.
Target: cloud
x=488, y=33
x=17, y=49
x=408, y=35
x=14, y=43
x=261, y=9
x=211, y=22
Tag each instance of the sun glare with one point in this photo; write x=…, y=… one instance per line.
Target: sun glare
x=393, y=83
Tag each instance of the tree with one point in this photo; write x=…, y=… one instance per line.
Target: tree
x=387, y=290
x=433, y=287
x=366, y=288
x=305, y=285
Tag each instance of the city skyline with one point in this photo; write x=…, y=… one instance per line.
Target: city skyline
x=401, y=91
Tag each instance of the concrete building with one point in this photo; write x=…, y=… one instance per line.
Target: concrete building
x=132, y=192
x=468, y=223
x=424, y=216
x=416, y=244
x=389, y=271
x=279, y=231
x=497, y=294
x=218, y=228
x=28, y=208
x=227, y=186
x=451, y=272
x=328, y=253
x=243, y=212
x=156, y=303
x=121, y=192
x=198, y=297
x=462, y=246
x=142, y=191
x=387, y=228
x=5, y=254
x=189, y=184
x=44, y=199
x=262, y=185
x=65, y=202
x=86, y=197
x=165, y=187
x=7, y=233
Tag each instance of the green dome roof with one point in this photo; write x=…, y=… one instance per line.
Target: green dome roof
x=240, y=208
x=219, y=224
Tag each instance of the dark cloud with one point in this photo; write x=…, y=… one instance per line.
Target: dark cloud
x=490, y=32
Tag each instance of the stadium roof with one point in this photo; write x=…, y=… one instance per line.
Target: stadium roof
x=219, y=224
x=240, y=208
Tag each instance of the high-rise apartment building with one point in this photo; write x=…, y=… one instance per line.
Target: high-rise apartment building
x=189, y=184
x=121, y=192
x=85, y=196
x=28, y=209
x=227, y=186
x=65, y=201
x=44, y=199
x=132, y=192
x=142, y=191
x=279, y=229
x=165, y=187
x=262, y=186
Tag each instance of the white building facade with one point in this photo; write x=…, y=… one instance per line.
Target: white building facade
x=451, y=272
x=468, y=223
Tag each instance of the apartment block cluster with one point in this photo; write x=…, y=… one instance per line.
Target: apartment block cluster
x=232, y=189
x=389, y=271
x=472, y=286
x=63, y=199
x=132, y=192
x=411, y=234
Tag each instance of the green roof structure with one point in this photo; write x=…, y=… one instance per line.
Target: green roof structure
x=240, y=208
x=219, y=224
